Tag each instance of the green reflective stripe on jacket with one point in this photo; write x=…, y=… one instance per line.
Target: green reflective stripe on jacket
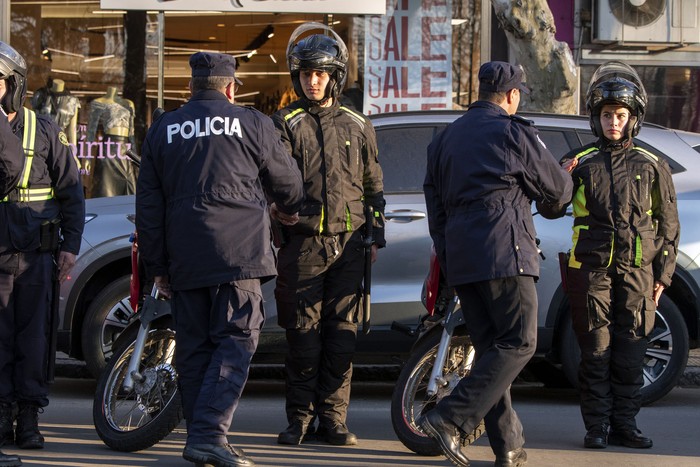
x=28, y=141
x=587, y=151
x=25, y=194
x=348, y=219
x=323, y=217
x=638, y=251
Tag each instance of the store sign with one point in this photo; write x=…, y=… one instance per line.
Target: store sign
x=351, y=7
x=408, y=57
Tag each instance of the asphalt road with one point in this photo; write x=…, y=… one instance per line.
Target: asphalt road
x=551, y=418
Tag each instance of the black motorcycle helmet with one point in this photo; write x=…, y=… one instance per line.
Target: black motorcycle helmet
x=616, y=83
x=13, y=69
x=318, y=52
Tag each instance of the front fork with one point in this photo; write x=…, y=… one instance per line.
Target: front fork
x=453, y=318
x=146, y=316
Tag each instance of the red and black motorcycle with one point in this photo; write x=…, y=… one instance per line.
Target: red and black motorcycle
x=441, y=356
x=137, y=402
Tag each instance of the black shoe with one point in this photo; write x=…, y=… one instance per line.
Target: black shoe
x=7, y=420
x=446, y=435
x=338, y=435
x=218, y=455
x=596, y=437
x=27, y=435
x=7, y=460
x=514, y=458
x=630, y=438
x=294, y=434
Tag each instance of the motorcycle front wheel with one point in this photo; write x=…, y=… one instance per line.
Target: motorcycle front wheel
x=139, y=418
x=410, y=399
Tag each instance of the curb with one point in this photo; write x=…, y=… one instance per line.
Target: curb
x=70, y=368
x=690, y=378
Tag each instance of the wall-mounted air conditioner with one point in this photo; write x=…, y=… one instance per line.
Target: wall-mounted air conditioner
x=660, y=21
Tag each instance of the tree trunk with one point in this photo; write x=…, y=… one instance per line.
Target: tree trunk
x=549, y=67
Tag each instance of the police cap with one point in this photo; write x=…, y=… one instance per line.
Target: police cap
x=213, y=64
x=501, y=77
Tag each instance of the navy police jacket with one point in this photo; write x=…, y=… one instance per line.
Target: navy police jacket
x=483, y=172
x=201, y=208
x=11, y=158
x=51, y=189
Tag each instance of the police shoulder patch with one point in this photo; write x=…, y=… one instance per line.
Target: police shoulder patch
x=63, y=138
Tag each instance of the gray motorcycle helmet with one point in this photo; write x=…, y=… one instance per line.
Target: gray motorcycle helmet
x=13, y=69
x=326, y=52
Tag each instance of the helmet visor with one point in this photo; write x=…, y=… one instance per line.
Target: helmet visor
x=615, y=69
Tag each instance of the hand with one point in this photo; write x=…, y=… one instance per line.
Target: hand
x=65, y=264
x=286, y=219
x=163, y=286
x=658, y=290
x=375, y=248
x=569, y=164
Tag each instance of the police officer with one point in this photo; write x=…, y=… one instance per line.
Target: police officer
x=42, y=216
x=11, y=163
x=623, y=256
x=320, y=265
x=204, y=231
x=483, y=172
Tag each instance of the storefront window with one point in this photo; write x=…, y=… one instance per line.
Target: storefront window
x=96, y=72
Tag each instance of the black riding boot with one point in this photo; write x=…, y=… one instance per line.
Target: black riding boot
x=9, y=460
x=27, y=434
x=7, y=433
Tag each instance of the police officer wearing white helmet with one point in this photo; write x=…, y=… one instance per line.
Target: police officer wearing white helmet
x=207, y=171
x=42, y=221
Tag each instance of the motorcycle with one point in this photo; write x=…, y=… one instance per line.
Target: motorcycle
x=441, y=356
x=137, y=403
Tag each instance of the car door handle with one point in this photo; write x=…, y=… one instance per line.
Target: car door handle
x=404, y=215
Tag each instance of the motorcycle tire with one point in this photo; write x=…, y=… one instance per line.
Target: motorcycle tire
x=409, y=399
x=140, y=418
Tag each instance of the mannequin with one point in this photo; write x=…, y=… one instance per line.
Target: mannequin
x=113, y=118
x=55, y=100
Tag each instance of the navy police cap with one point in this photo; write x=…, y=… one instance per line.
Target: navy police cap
x=213, y=64
x=501, y=77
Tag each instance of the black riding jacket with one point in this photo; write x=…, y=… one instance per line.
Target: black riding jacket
x=625, y=213
x=336, y=150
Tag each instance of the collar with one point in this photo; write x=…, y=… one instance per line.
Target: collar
x=489, y=106
x=209, y=94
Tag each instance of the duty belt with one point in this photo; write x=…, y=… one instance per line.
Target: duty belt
x=22, y=193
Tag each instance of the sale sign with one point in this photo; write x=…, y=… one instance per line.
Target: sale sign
x=408, y=57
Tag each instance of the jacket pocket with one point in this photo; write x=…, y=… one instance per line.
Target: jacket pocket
x=645, y=248
x=24, y=222
x=593, y=248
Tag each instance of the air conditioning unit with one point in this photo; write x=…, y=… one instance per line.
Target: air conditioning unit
x=635, y=21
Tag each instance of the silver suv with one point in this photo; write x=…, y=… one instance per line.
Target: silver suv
x=95, y=306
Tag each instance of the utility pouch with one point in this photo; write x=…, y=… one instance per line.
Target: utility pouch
x=49, y=235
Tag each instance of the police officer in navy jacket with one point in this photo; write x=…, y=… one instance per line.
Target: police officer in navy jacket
x=207, y=172
x=41, y=225
x=483, y=173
